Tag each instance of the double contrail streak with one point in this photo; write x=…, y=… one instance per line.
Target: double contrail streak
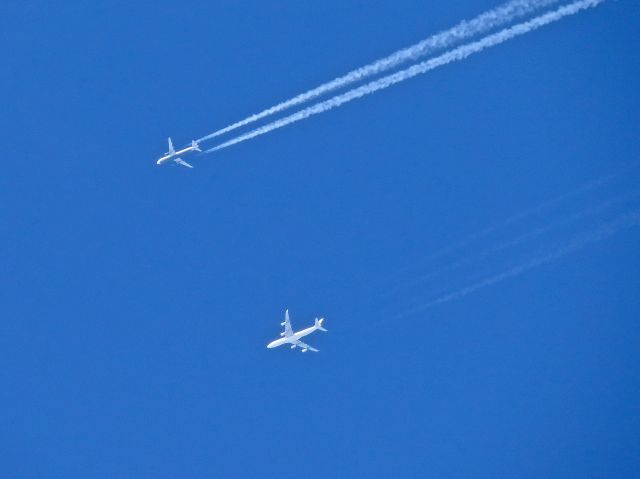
x=523, y=214
x=603, y=232
x=489, y=20
x=454, y=55
x=585, y=213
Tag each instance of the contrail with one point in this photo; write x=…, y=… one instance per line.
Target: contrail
x=521, y=215
x=456, y=54
x=603, y=232
x=456, y=245
x=481, y=24
x=593, y=210
x=585, y=187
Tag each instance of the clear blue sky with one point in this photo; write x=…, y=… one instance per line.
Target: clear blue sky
x=137, y=301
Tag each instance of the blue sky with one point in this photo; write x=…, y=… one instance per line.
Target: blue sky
x=137, y=300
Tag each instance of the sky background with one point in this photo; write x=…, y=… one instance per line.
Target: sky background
x=137, y=300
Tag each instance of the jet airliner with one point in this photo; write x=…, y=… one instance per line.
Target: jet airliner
x=175, y=155
x=293, y=339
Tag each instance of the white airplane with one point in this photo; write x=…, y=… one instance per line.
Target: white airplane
x=289, y=337
x=175, y=155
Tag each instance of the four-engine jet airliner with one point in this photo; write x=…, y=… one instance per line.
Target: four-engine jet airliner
x=289, y=337
x=175, y=155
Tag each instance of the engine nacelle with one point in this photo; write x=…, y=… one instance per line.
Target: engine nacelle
x=281, y=324
x=304, y=350
x=281, y=334
x=293, y=346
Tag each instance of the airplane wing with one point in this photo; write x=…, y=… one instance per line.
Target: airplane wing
x=171, y=150
x=181, y=162
x=288, y=331
x=305, y=346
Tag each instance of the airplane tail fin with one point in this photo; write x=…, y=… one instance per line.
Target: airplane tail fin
x=195, y=146
x=319, y=324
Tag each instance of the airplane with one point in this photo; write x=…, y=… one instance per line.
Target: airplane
x=289, y=337
x=175, y=155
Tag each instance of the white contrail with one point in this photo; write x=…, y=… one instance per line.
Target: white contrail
x=489, y=20
x=522, y=215
x=456, y=245
x=518, y=240
x=603, y=232
x=483, y=233
x=456, y=54
x=487, y=231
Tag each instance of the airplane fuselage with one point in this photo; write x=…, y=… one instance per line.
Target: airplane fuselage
x=293, y=338
x=171, y=156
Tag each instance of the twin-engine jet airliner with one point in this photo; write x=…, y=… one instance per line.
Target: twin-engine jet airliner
x=175, y=155
x=289, y=337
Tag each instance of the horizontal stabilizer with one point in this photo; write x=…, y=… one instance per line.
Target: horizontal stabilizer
x=319, y=324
